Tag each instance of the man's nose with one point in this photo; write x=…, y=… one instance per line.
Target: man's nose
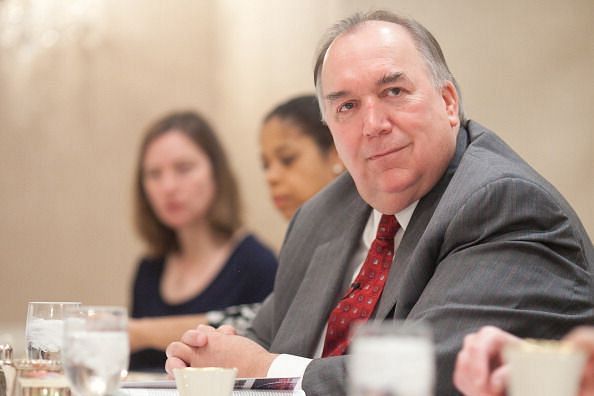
x=375, y=119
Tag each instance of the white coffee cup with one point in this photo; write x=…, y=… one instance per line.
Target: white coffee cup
x=211, y=381
x=544, y=368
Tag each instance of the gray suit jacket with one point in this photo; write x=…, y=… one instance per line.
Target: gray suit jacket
x=492, y=244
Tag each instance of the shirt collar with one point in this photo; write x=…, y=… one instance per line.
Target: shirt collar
x=403, y=218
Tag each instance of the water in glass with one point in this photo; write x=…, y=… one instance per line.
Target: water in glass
x=392, y=359
x=96, y=349
x=44, y=329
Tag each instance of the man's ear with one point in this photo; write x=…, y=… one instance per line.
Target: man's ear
x=451, y=102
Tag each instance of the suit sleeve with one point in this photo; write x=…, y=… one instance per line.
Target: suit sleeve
x=510, y=257
x=264, y=325
x=326, y=376
x=260, y=329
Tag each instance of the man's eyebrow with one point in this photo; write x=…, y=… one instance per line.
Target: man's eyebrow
x=386, y=79
x=332, y=96
x=391, y=78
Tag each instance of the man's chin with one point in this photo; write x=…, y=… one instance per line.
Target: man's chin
x=389, y=198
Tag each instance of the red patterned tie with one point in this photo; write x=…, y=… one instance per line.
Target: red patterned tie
x=361, y=299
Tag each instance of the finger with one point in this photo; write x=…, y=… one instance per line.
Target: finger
x=195, y=338
x=180, y=351
x=227, y=329
x=583, y=337
x=587, y=382
x=173, y=363
x=476, y=360
x=205, y=328
x=467, y=376
x=498, y=382
x=461, y=370
x=495, y=339
x=489, y=348
x=460, y=375
x=479, y=357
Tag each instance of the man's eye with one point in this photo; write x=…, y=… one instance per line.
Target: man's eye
x=346, y=107
x=394, y=91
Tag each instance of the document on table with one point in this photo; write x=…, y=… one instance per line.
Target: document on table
x=243, y=387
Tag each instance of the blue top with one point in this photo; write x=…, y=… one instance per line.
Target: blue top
x=247, y=277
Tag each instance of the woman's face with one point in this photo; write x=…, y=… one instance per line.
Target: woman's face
x=295, y=167
x=178, y=180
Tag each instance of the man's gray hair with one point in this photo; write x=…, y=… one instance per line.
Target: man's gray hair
x=426, y=44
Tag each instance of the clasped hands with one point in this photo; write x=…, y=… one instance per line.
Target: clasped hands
x=206, y=346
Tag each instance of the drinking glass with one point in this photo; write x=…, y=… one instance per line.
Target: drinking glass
x=44, y=329
x=394, y=358
x=96, y=349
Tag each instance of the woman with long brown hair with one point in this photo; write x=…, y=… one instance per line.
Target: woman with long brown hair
x=188, y=214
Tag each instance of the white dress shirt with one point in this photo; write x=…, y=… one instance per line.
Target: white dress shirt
x=285, y=365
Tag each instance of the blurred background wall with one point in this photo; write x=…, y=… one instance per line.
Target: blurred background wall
x=80, y=79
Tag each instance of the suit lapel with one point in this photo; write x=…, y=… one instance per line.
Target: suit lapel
x=397, y=283
x=404, y=255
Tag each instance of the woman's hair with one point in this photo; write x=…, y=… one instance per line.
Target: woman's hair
x=224, y=215
x=304, y=112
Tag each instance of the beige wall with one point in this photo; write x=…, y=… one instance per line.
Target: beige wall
x=71, y=115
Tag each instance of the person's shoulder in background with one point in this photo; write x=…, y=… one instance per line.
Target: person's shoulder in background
x=256, y=254
x=258, y=263
x=146, y=282
x=150, y=264
x=148, y=269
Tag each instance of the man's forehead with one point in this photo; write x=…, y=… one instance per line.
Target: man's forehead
x=367, y=37
x=365, y=44
x=381, y=31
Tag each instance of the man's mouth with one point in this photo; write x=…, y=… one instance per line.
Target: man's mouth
x=383, y=154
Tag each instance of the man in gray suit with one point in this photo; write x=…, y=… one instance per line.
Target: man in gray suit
x=483, y=239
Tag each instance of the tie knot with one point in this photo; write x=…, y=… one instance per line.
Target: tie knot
x=387, y=227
